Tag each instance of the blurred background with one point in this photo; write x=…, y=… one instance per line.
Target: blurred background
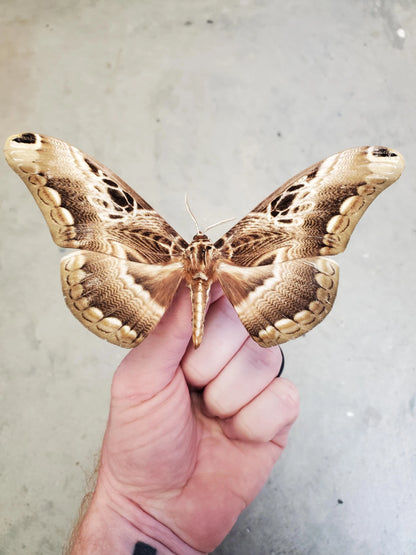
x=224, y=100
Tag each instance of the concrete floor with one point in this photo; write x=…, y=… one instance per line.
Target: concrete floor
x=225, y=100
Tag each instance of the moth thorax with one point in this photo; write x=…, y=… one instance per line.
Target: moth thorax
x=199, y=258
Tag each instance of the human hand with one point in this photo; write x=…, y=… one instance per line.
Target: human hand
x=191, y=439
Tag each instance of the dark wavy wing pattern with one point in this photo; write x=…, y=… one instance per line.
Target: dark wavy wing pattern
x=118, y=300
x=281, y=301
x=87, y=206
x=270, y=264
x=315, y=212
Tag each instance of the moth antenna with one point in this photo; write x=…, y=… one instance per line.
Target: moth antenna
x=219, y=223
x=198, y=230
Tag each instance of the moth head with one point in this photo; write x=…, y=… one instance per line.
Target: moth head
x=200, y=237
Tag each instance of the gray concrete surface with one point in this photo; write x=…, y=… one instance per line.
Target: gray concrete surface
x=224, y=100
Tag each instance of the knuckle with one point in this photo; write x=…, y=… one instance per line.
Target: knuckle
x=288, y=395
x=215, y=404
x=249, y=431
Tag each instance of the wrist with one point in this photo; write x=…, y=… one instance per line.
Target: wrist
x=115, y=525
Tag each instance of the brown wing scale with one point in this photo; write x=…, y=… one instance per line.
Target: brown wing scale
x=315, y=212
x=269, y=264
x=281, y=301
x=118, y=300
x=86, y=205
x=284, y=287
x=125, y=277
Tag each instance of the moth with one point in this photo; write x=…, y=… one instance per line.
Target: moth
x=271, y=265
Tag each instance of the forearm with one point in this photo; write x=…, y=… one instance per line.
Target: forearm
x=106, y=530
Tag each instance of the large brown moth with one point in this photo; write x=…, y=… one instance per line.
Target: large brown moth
x=270, y=265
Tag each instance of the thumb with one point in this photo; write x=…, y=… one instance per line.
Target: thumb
x=150, y=366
